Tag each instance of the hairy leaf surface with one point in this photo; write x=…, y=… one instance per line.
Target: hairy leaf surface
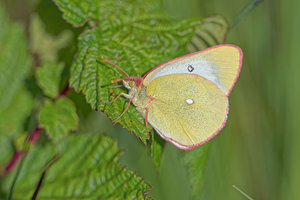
x=58, y=118
x=15, y=101
x=92, y=171
x=49, y=76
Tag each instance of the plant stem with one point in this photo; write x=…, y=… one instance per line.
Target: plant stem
x=245, y=11
x=16, y=177
x=243, y=193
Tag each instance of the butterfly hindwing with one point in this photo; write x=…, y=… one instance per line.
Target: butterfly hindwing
x=187, y=110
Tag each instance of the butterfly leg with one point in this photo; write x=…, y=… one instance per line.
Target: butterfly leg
x=123, y=111
x=115, y=86
x=121, y=94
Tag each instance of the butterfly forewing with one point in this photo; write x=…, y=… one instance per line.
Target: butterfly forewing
x=220, y=64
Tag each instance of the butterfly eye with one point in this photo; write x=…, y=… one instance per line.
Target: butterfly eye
x=131, y=84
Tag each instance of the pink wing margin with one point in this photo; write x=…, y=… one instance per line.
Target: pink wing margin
x=189, y=147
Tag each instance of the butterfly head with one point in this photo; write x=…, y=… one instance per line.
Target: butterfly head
x=131, y=82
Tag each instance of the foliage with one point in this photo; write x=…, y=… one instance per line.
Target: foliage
x=48, y=77
x=92, y=171
x=44, y=44
x=196, y=159
x=67, y=163
x=16, y=102
x=58, y=118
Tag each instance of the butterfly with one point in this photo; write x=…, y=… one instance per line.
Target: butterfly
x=186, y=99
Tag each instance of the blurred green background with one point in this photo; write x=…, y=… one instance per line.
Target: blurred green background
x=258, y=149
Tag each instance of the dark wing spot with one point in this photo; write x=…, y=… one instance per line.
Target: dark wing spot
x=190, y=68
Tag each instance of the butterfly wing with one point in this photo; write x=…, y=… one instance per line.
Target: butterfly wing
x=220, y=64
x=187, y=110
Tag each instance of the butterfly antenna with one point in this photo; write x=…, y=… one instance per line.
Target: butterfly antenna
x=123, y=111
x=115, y=66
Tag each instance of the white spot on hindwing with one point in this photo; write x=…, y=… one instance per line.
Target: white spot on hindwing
x=189, y=101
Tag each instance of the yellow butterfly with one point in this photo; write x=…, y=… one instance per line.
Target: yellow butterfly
x=186, y=99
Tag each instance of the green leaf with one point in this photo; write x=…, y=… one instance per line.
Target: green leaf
x=212, y=32
x=12, y=122
x=92, y=171
x=48, y=77
x=45, y=45
x=15, y=102
x=157, y=146
x=195, y=161
x=14, y=60
x=78, y=12
x=58, y=118
x=6, y=149
x=13, y=117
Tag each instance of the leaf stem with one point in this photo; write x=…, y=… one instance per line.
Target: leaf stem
x=64, y=91
x=13, y=161
x=35, y=135
x=245, y=11
x=38, y=186
x=48, y=165
x=16, y=176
